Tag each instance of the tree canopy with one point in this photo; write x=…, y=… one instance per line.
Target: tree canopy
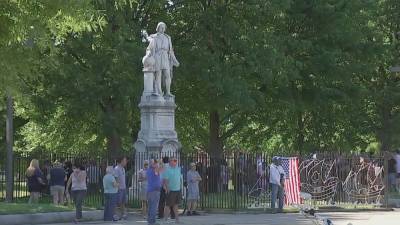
x=277, y=76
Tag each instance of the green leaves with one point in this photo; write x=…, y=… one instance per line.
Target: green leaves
x=290, y=76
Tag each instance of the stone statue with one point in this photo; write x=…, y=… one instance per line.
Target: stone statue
x=160, y=59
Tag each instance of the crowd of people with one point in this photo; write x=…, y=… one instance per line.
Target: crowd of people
x=160, y=183
x=65, y=183
x=160, y=186
x=159, y=190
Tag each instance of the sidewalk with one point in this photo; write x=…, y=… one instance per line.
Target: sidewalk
x=338, y=218
x=365, y=218
x=221, y=219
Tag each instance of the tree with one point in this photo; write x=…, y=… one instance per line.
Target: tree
x=24, y=24
x=293, y=76
x=326, y=46
x=87, y=89
x=382, y=104
x=284, y=81
x=228, y=55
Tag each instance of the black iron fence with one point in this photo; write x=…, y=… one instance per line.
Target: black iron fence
x=233, y=181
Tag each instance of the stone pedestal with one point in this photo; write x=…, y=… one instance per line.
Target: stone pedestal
x=157, y=135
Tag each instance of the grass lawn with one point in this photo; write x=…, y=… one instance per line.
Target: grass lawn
x=24, y=208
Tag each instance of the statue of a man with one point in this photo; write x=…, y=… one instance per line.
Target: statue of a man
x=160, y=49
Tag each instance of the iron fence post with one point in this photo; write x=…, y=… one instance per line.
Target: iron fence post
x=386, y=178
x=10, y=143
x=235, y=183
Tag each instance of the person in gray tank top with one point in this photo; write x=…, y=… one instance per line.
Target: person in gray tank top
x=77, y=181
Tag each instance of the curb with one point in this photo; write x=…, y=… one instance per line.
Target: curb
x=291, y=211
x=53, y=217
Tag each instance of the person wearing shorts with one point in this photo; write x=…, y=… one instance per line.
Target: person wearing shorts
x=119, y=173
x=57, y=179
x=172, y=182
x=163, y=195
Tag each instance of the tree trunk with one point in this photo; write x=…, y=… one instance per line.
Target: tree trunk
x=384, y=132
x=215, y=150
x=10, y=143
x=113, y=138
x=114, y=144
x=215, y=145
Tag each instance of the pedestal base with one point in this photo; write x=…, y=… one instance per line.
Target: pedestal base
x=157, y=135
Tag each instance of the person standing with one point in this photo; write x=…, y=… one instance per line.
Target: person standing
x=119, y=173
x=68, y=171
x=77, y=181
x=224, y=176
x=56, y=182
x=163, y=195
x=392, y=174
x=172, y=182
x=193, y=179
x=276, y=179
x=143, y=187
x=110, y=186
x=35, y=181
x=397, y=158
x=153, y=190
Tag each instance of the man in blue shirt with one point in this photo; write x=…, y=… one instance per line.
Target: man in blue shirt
x=172, y=182
x=153, y=191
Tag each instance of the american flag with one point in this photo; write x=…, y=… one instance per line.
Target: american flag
x=292, y=180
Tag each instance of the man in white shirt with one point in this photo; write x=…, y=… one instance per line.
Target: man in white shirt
x=276, y=179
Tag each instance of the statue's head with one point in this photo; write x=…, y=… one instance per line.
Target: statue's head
x=161, y=27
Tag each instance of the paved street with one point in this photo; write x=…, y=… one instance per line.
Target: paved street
x=364, y=218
